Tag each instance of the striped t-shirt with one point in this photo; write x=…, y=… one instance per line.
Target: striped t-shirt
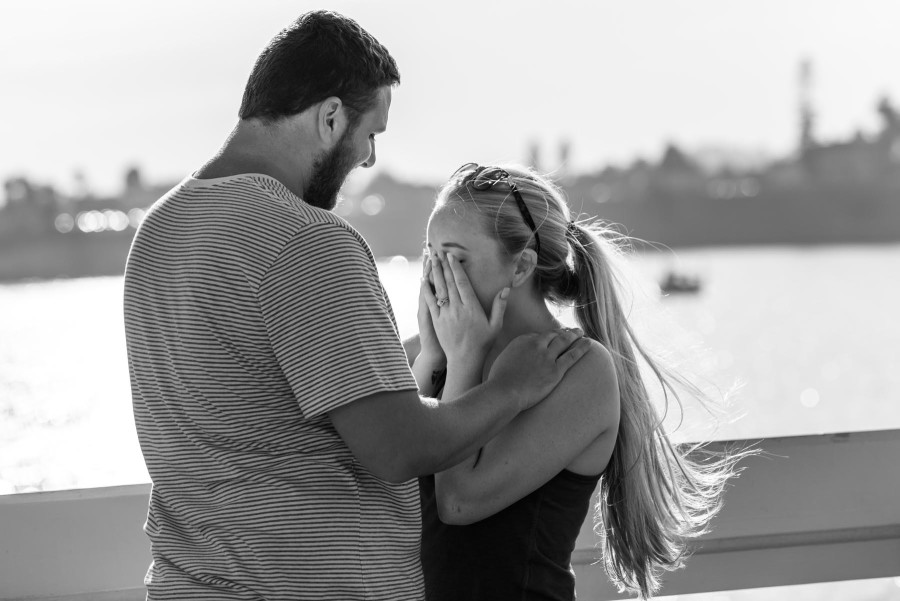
x=249, y=315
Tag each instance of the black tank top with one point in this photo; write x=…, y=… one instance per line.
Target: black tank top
x=522, y=552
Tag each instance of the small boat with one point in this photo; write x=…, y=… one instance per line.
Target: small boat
x=676, y=283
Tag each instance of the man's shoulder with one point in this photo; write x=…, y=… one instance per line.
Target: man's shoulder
x=333, y=228
x=247, y=191
x=280, y=199
x=327, y=242
x=253, y=197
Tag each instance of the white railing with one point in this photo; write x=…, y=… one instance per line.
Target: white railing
x=812, y=509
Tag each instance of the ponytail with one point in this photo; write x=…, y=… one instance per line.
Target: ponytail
x=654, y=496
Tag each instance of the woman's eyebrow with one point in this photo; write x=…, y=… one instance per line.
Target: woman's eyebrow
x=450, y=244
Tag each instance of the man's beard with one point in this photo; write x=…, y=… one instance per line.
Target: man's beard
x=330, y=169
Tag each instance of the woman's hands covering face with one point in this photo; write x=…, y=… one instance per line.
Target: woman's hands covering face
x=458, y=322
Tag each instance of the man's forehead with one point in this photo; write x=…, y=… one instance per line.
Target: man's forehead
x=382, y=107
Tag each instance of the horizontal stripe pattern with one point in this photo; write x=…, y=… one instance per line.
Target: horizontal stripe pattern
x=250, y=315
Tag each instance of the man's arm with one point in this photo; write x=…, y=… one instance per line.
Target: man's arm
x=399, y=435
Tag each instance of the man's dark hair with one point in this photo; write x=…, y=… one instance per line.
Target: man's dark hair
x=319, y=55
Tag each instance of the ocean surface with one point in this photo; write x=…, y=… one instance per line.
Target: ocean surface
x=786, y=341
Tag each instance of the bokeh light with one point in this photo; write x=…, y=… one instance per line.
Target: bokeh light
x=64, y=223
x=372, y=204
x=809, y=398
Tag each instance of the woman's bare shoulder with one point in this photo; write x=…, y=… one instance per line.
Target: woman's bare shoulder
x=594, y=394
x=596, y=370
x=592, y=387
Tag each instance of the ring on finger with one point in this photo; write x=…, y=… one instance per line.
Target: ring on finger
x=442, y=301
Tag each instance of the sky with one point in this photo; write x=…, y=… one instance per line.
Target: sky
x=95, y=87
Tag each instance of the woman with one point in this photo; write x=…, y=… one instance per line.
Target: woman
x=503, y=524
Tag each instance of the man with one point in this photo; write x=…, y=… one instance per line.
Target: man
x=276, y=411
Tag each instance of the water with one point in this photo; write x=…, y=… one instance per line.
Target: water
x=811, y=333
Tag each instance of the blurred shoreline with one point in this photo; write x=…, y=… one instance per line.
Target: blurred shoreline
x=844, y=192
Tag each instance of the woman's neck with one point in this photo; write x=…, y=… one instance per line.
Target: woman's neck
x=525, y=314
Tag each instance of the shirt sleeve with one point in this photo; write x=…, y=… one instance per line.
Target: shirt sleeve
x=330, y=322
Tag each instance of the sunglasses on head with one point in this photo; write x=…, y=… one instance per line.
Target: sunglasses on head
x=485, y=178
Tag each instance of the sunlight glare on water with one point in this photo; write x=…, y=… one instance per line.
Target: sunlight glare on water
x=64, y=392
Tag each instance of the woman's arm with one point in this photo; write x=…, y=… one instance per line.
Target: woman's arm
x=536, y=445
x=423, y=351
x=426, y=371
x=412, y=346
x=461, y=377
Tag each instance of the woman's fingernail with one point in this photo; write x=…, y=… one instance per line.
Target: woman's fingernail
x=504, y=293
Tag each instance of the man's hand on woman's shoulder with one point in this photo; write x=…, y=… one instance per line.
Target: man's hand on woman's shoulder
x=533, y=364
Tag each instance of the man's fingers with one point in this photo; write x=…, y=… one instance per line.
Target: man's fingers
x=576, y=351
x=544, y=339
x=563, y=339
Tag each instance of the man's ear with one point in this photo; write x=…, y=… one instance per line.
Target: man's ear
x=331, y=120
x=525, y=266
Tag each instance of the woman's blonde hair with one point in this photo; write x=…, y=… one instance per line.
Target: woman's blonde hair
x=655, y=496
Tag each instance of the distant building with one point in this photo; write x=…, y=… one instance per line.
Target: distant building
x=28, y=208
x=138, y=195
x=859, y=160
x=678, y=173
